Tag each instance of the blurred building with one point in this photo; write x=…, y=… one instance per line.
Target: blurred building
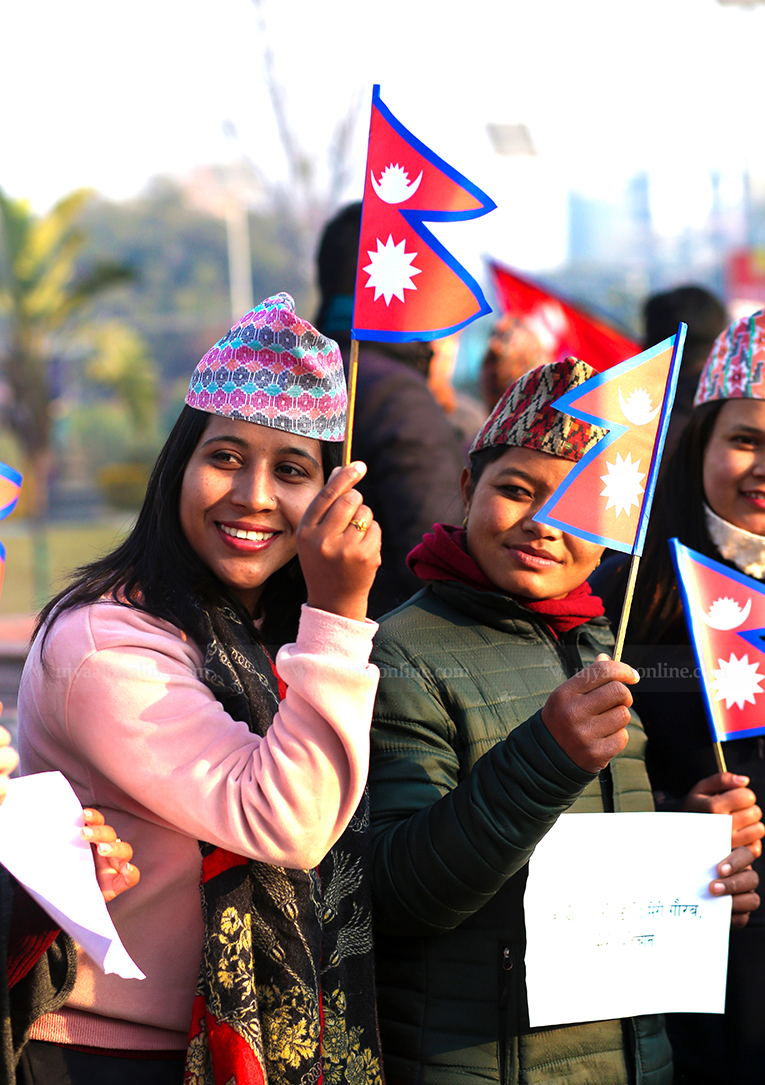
x=655, y=233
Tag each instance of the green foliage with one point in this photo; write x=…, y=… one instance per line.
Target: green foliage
x=42, y=292
x=179, y=300
x=122, y=365
x=102, y=432
x=124, y=484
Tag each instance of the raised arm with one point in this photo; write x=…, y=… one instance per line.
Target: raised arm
x=132, y=715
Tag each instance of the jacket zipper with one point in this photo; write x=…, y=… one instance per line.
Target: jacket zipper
x=508, y=1045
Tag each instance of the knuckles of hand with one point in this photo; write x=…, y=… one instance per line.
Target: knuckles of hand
x=748, y=817
x=615, y=693
x=592, y=749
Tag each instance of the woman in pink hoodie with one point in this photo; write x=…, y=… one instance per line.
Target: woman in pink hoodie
x=151, y=686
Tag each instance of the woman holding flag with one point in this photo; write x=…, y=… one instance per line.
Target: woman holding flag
x=498, y=710
x=151, y=687
x=711, y=496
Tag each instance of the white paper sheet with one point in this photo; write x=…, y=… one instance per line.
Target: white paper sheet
x=620, y=920
x=40, y=844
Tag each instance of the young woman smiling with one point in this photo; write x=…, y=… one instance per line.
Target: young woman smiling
x=711, y=495
x=150, y=686
x=498, y=710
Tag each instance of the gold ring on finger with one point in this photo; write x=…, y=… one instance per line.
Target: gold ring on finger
x=360, y=525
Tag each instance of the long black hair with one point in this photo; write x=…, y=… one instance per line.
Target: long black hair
x=678, y=511
x=155, y=566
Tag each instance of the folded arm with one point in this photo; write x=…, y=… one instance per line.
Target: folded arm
x=136, y=713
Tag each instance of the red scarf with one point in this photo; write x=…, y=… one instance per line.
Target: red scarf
x=442, y=555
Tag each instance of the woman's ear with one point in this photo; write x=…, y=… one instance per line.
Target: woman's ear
x=466, y=488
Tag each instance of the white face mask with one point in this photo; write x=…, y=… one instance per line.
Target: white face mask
x=745, y=550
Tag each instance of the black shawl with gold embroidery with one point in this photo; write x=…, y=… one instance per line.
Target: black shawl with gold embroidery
x=286, y=988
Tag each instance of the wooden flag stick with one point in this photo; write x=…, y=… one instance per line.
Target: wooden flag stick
x=353, y=369
x=626, y=606
x=720, y=757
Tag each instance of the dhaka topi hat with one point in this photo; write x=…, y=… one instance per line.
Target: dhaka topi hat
x=277, y=370
x=525, y=417
x=735, y=369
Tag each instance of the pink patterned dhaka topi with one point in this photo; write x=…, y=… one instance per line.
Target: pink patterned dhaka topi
x=274, y=369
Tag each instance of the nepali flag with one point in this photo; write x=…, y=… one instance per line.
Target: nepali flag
x=607, y=495
x=561, y=328
x=10, y=485
x=407, y=285
x=725, y=612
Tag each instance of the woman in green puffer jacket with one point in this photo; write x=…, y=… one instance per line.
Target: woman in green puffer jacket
x=498, y=710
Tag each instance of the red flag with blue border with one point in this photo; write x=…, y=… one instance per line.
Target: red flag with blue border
x=606, y=497
x=725, y=613
x=562, y=328
x=408, y=286
x=10, y=487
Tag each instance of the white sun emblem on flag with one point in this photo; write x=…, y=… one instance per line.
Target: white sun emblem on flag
x=394, y=185
x=391, y=270
x=737, y=681
x=637, y=407
x=622, y=484
x=725, y=613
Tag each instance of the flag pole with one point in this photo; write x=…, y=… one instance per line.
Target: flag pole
x=720, y=757
x=621, y=633
x=353, y=368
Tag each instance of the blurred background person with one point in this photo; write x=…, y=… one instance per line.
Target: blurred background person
x=706, y=317
x=465, y=413
x=512, y=351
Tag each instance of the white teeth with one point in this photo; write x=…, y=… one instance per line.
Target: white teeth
x=252, y=536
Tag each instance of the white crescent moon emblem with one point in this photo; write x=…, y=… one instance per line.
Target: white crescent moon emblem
x=732, y=622
x=396, y=193
x=637, y=419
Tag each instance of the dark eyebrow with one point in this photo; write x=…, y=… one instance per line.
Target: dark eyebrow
x=517, y=472
x=229, y=438
x=287, y=450
x=291, y=450
x=741, y=428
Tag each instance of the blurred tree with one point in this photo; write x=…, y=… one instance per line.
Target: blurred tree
x=44, y=299
x=179, y=300
x=122, y=365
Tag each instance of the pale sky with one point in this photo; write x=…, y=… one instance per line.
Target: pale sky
x=109, y=94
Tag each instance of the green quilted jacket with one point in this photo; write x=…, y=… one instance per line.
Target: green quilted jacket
x=465, y=780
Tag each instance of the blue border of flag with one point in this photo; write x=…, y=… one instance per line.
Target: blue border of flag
x=16, y=478
x=616, y=429
x=416, y=219
x=754, y=637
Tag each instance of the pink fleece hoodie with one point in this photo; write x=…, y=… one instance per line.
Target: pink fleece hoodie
x=119, y=710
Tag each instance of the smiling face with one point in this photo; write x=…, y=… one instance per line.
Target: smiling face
x=734, y=465
x=244, y=492
x=517, y=554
